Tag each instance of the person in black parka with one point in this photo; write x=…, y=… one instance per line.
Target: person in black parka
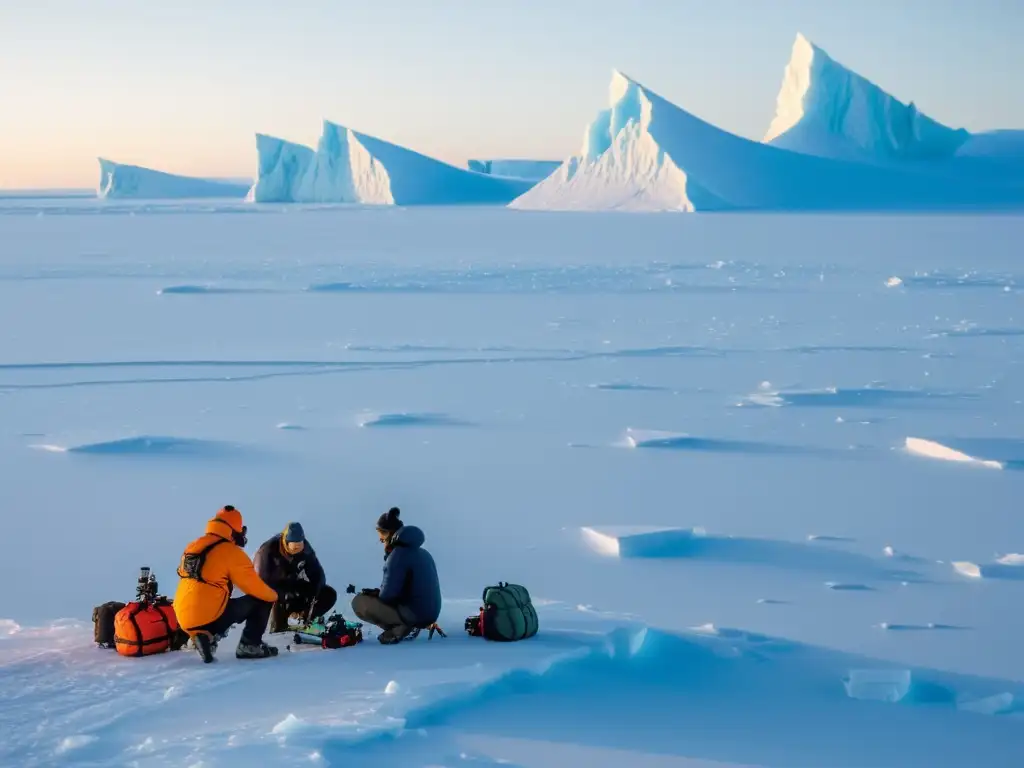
x=288, y=563
x=409, y=596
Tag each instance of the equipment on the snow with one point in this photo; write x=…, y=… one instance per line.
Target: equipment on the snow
x=339, y=633
x=103, y=623
x=146, y=588
x=147, y=625
x=333, y=632
x=507, y=615
x=144, y=628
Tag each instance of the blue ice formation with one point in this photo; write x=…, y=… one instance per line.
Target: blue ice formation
x=517, y=169
x=643, y=153
x=121, y=181
x=352, y=167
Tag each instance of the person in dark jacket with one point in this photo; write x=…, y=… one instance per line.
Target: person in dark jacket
x=288, y=563
x=409, y=597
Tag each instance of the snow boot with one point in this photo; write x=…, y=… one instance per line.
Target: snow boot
x=395, y=634
x=205, y=645
x=261, y=651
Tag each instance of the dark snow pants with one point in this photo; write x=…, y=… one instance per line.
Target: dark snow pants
x=248, y=609
x=375, y=611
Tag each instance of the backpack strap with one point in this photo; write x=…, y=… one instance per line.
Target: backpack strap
x=192, y=564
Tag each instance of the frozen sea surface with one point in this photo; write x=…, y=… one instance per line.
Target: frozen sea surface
x=801, y=390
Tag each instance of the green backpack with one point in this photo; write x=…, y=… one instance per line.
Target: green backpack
x=507, y=614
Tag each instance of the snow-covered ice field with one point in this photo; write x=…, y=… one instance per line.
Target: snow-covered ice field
x=760, y=473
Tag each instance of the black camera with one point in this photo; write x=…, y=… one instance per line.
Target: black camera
x=473, y=626
x=147, y=588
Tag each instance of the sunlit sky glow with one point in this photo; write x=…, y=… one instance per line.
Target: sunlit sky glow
x=183, y=86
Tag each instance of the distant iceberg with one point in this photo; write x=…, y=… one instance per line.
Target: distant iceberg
x=1004, y=144
x=281, y=167
x=352, y=167
x=121, y=181
x=643, y=153
x=825, y=109
x=518, y=169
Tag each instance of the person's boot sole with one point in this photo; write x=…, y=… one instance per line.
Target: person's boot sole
x=204, y=647
x=271, y=655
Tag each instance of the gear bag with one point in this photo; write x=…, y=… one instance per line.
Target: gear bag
x=339, y=633
x=103, y=623
x=507, y=615
x=143, y=628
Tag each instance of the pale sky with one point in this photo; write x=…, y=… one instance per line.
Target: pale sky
x=182, y=86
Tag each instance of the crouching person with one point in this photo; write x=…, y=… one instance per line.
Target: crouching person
x=210, y=568
x=409, y=597
x=288, y=563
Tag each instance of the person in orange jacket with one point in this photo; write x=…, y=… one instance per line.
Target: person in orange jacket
x=210, y=568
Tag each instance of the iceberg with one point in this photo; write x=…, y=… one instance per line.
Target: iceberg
x=1000, y=144
x=352, y=167
x=121, y=181
x=644, y=153
x=518, y=169
x=825, y=109
x=281, y=166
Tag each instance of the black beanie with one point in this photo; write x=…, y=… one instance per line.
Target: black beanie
x=389, y=521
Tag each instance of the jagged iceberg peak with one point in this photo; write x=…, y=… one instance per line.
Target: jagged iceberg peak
x=620, y=165
x=824, y=108
x=352, y=167
x=642, y=152
x=626, y=103
x=124, y=181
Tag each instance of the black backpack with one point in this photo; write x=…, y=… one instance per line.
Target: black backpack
x=507, y=614
x=103, y=623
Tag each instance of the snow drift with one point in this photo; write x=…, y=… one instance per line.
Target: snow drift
x=118, y=180
x=825, y=109
x=519, y=169
x=644, y=153
x=352, y=167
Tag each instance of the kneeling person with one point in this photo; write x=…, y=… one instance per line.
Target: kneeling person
x=409, y=597
x=209, y=568
x=288, y=563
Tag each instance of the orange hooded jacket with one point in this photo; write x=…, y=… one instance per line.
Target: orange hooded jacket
x=197, y=603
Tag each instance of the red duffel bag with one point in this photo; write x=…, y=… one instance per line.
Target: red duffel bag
x=141, y=629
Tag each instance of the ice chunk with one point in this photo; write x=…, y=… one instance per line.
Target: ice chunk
x=890, y=685
x=118, y=180
x=638, y=540
x=989, y=705
x=893, y=282
x=933, y=450
x=392, y=688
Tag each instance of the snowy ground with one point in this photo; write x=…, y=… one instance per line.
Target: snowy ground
x=806, y=391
